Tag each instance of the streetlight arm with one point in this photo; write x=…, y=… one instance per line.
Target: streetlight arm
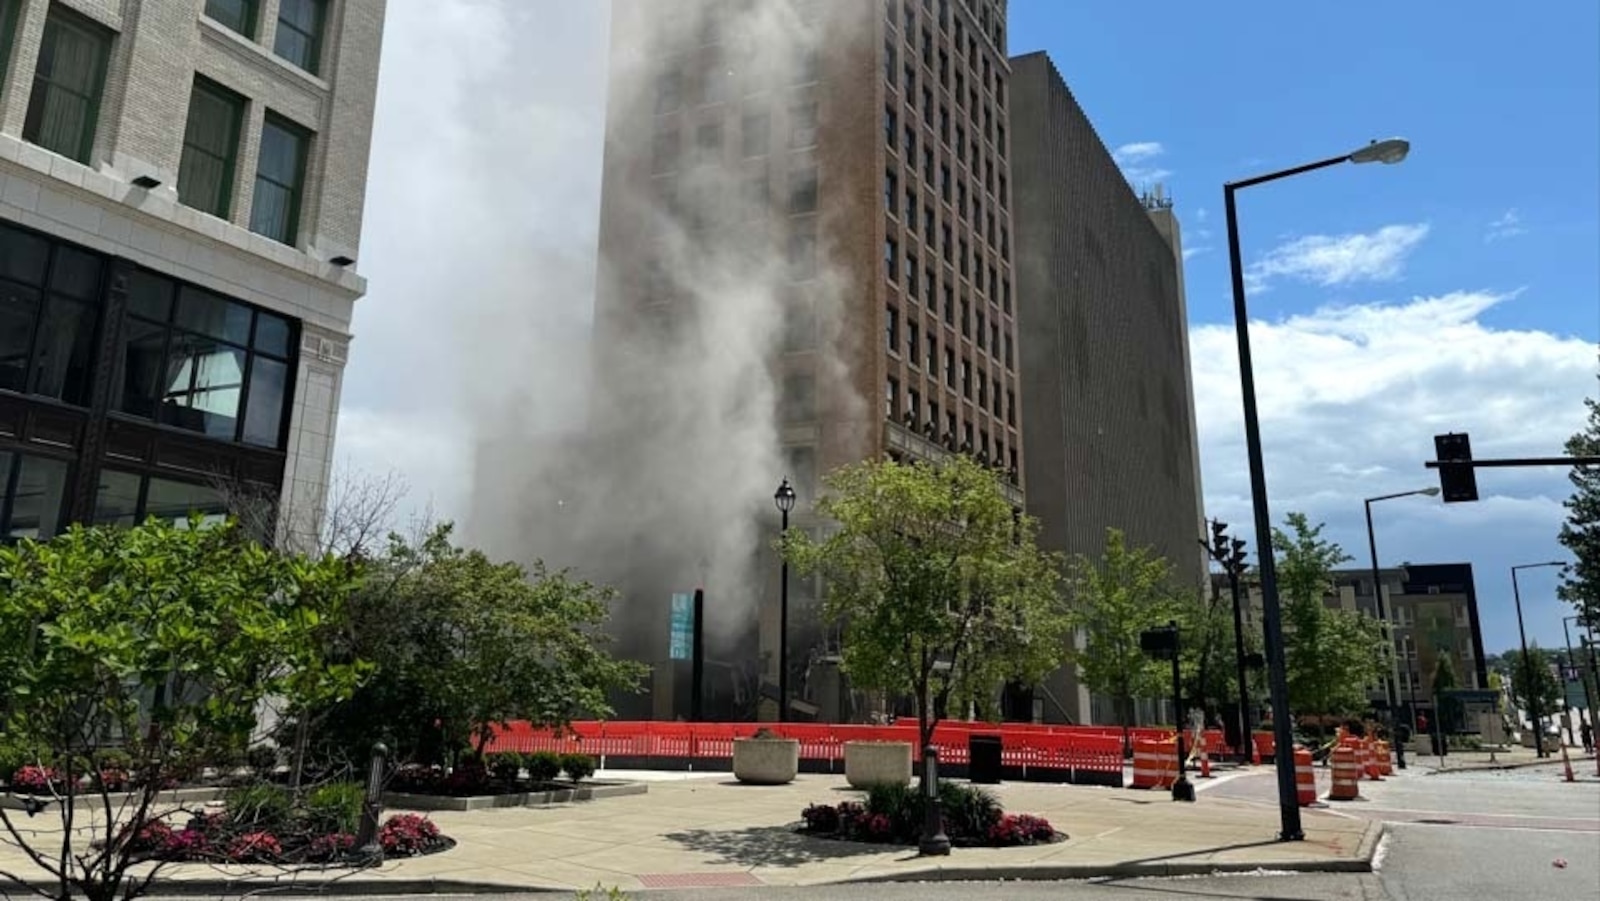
x=1274, y=176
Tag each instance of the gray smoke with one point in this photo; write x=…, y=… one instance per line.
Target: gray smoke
x=647, y=457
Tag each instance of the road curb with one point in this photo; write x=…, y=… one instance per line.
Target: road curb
x=1366, y=849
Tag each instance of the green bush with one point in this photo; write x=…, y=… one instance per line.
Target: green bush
x=259, y=807
x=543, y=766
x=901, y=804
x=969, y=813
x=578, y=767
x=13, y=757
x=262, y=760
x=334, y=808
x=506, y=766
x=115, y=759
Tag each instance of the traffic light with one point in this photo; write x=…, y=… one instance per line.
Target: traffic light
x=1219, y=539
x=1236, y=560
x=1457, y=483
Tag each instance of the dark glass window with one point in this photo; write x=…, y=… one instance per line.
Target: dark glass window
x=35, y=495
x=175, y=501
x=755, y=131
x=239, y=15
x=65, y=104
x=210, y=149
x=215, y=366
x=64, y=351
x=19, y=314
x=275, y=211
x=116, y=499
x=47, y=338
x=299, y=37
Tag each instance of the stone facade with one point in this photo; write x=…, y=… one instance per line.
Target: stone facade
x=157, y=48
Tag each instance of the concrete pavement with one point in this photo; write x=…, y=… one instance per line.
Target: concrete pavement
x=708, y=831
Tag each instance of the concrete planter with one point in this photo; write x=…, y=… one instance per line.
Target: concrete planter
x=587, y=791
x=766, y=761
x=869, y=763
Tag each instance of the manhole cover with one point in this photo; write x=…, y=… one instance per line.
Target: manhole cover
x=698, y=880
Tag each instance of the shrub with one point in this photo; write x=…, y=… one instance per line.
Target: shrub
x=330, y=847
x=969, y=812
x=155, y=837
x=260, y=808
x=407, y=834
x=262, y=760
x=334, y=808
x=823, y=818
x=35, y=779
x=578, y=767
x=506, y=766
x=255, y=847
x=899, y=805
x=417, y=778
x=13, y=757
x=116, y=759
x=543, y=766
x=1021, y=829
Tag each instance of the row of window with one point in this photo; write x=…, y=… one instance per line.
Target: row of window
x=34, y=501
x=755, y=137
x=186, y=358
x=907, y=408
x=989, y=20
x=912, y=350
x=993, y=129
x=714, y=80
x=984, y=226
x=986, y=279
x=64, y=111
x=298, y=37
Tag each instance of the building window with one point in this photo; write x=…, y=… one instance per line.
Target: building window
x=713, y=80
x=911, y=145
x=1005, y=294
x=913, y=344
x=949, y=305
x=65, y=104
x=909, y=85
x=891, y=329
x=944, y=124
x=210, y=149
x=994, y=337
x=927, y=221
x=275, y=212
x=803, y=124
x=890, y=125
x=803, y=190
x=911, y=208
x=982, y=329
x=666, y=150
x=239, y=15
x=927, y=106
x=966, y=318
x=755, y=131
x=983, y=392
x=966, y=378
x=809, y=69
x=994, y=397
x=947, y=243
x=708, y=144
x=34, y=498
x=891, y=259
x=944, y=182
x=203, y=363
x=48, y=312
x=913, y=406
x=799, y=400
x=891, y=189
x=669, y=91
x=891, y=60
x=933, y=351
x=891, y=397
x=962, y=257
x=803, y=250
x=299, y=37
x=949, y=368
x=911, y=276
x=118, y=502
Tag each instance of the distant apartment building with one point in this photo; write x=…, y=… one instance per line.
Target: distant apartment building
x=864, y=148
x=181, y=191
x=1434, y=608
x=1106, y=386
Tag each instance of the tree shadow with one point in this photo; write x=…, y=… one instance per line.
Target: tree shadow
x=774, y=846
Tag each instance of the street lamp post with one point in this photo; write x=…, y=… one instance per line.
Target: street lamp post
x=1572, y=662
x=1527, y=662
x=1391, y=685
x=784, y=498
x=1391, y=151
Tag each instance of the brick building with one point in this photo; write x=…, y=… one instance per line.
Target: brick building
x=1106, y=386
x=845, y=163
x=181, y=191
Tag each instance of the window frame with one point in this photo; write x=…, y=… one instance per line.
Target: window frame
x=315, y=68
x=252, y=15
x=296, y=207
x=65, y=18
x=230, y=170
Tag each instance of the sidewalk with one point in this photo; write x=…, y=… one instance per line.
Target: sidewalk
x=709, y=831
x=1511, y=758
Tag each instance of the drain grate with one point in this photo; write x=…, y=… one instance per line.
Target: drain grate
x=699, y=880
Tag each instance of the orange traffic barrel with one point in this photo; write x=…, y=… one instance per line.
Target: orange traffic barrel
x=1155, y=764
x=1305, y=779
x=1346, y=770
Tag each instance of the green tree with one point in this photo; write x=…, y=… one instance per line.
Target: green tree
x=463, y=643
x=1331, y=655
x=937, y=582
x=1444, y=682
x=1531, y=678
x=1125, y=592
x=1580, y=582
x=1210, y=676
x=148, y=649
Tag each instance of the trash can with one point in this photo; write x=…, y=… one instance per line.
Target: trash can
x=983, y=752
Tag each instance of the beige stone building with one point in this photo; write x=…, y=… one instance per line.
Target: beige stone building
x=181, y=192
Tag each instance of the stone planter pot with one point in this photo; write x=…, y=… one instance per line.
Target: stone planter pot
x=869, y=763
x=766, y=761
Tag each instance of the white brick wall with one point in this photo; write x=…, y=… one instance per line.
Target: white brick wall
x=159, y=47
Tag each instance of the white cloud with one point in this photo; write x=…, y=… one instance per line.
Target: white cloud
x=1350, y=398
x=1195, y=251
x=1137, y=161
x=1509, y=225
x=1339, y=259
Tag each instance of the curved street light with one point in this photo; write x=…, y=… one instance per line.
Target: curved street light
x=1392, y=150
x=1527, y=663
x=1392, y=684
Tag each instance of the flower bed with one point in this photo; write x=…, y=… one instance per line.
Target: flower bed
x=219, y=838
x=892, y=814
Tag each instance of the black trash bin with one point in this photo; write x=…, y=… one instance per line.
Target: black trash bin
x=983, y=752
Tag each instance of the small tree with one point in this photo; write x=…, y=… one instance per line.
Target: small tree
x=1331, y=655
x=1531, y=678
x=462, y=644
x=937, y=582
x=1580, y=582
x=128, y=655
x=1444, y=682
x=1125, y=592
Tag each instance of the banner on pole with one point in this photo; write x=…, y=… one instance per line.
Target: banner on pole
x=680, y=644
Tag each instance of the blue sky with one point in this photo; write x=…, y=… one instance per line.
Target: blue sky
x=1460, y=290
x=1496, y=212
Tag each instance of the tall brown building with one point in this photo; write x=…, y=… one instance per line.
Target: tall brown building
x=806, y=243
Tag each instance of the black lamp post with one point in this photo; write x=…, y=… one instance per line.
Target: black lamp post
x=1229, y=553
x=1572, y=662
x=1527, y=662
x=784, y=498
x=1391, y=686
x=1391, y=151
